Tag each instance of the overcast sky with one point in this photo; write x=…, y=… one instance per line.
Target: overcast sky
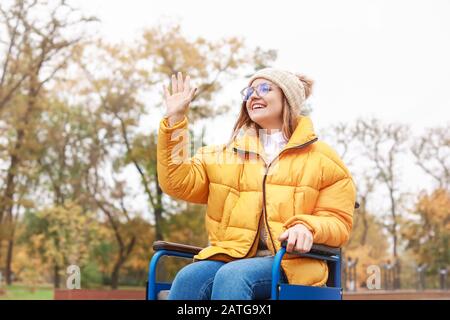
x=387, y=59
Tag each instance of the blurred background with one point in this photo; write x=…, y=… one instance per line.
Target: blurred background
x=81, y=101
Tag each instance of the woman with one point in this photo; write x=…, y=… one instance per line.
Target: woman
x=273, y=182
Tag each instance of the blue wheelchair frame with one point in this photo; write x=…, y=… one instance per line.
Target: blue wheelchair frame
x=279, y=290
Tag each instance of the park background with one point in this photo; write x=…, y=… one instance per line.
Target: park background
x=81, y=100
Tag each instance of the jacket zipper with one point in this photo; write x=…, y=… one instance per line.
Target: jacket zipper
x=264, y=186
x=256, y=237
x=264, y=212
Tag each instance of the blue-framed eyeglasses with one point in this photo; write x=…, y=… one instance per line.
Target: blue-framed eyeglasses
x=261, y=90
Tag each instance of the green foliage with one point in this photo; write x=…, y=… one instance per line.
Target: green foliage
x=91, y=275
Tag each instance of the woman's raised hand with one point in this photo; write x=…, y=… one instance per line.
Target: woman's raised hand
x=177, y=103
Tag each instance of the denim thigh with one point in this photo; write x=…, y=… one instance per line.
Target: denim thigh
x=194, y=281
x=244, y=279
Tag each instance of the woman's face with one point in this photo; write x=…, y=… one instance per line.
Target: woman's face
x=266, y=110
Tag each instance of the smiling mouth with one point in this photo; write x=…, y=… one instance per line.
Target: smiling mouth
x=257, y=106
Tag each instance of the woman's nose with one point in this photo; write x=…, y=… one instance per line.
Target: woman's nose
x=254, y=95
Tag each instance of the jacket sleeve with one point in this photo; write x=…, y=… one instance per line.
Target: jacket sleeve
x=332, y=219
x=179, y=175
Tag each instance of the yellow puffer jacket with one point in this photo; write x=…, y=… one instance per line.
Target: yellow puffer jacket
x=307, y=184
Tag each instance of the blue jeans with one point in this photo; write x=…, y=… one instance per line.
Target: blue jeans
x=244, y=279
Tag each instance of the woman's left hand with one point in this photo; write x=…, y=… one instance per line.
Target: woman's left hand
x=298, y=238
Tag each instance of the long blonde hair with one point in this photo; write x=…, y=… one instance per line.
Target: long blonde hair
x=290, y=116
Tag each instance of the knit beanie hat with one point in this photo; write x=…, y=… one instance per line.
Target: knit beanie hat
x=289, y=83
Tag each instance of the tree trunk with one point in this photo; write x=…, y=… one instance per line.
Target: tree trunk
x=394, y=222
x=9, y=231
x=116, y=272
x=7, y=201
x=57, y=277
x=9, y=257
x=363, y=213
x=158, y=214
x=159, y=220
x=365, y=228
x=1, y=244
x=395, y=240
x=6, y=207
x=124, y=253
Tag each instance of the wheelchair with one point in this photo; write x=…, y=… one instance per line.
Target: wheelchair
x=279, y=290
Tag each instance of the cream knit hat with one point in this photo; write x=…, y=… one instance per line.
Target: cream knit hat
x=291, y=85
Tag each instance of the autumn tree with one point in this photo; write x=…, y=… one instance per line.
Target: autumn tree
x=136, y=267
x=428, y=232
x=428, y=235
x=35, y=46
x=71, y=136
x=71, y=152
x=432, y=154
x=61, y=236
x=111, y=200
x=384, y=146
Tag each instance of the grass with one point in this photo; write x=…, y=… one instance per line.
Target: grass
x=134, y=288
x=44, y=292
x=23, y=292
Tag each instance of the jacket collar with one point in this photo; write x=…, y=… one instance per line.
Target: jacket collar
x=247, y=140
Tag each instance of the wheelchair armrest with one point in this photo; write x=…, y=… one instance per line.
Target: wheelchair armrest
x=320, y=249
x=178, y=247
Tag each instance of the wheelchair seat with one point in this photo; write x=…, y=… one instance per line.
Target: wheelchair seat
x=280, y=291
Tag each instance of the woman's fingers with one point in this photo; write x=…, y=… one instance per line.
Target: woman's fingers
x=180, y=82
x=291, y=241
x=300, y=245
x=296, y=241
x=304, y=244
x=283, y=236
x=174, y=84
x=179, y=85
x=308, y=244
